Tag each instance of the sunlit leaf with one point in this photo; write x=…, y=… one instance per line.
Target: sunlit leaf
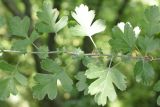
x=102, y=88
x=85, y=17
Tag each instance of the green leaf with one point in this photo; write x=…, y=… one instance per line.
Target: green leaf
x=144, y=72
x=51, y=66
x=151, y=22
x=7, y=86
x=94, y=71
x=87, y=60
x=65, y=80
x=4, y=66
x=21, y=79
x=21, y=45
x=34, y=36
x=46, y=85
x=123, y=41
x=148, y=44
x=157, y=86
x=61, y=24
x=44, y=52
x=157, y=89
x=158, y=100
x=77, y=31
x=118, y=79
x=19, y=27
x=81, y=84
x=47, y=19
x=43, y=28
x=103, y=87
x=79, y=54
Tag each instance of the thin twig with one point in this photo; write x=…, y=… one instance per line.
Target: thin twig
x=148, y=58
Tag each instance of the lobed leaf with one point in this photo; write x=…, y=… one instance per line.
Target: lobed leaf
x=51, y=66
x=123, y=41
x=148, y=44
x=144, y=72
x=151, y=21
x=81, y=84
x=157, y=86
x=47, y=19
x=19, y=27
x=7, y=86
x=47, y=83
x=102, y=88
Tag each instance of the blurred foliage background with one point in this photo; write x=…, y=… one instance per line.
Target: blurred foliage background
x=112, y=11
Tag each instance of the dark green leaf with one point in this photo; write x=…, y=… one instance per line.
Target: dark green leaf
x=144, y=72
x=65, y=80
x=123, y=41
x=158, y=100
x=148, y=44
x=157, y=86
x=81, y=84
x=151, y=22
